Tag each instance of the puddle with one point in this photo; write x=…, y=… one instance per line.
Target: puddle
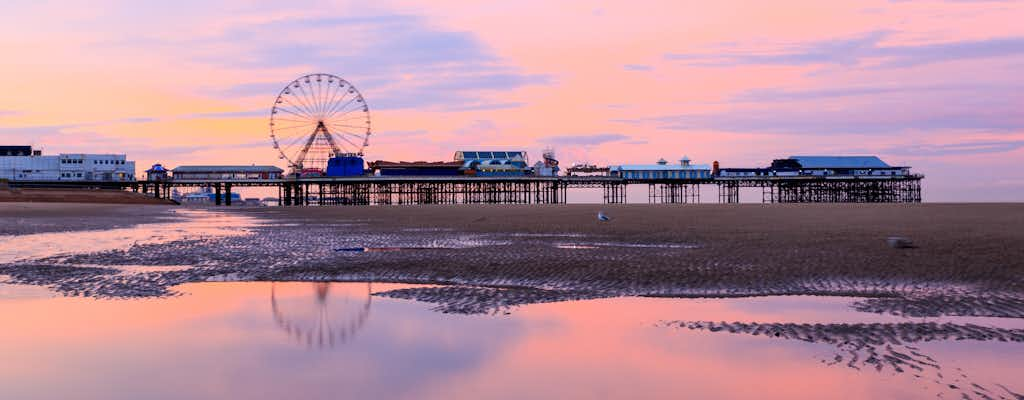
x=598, y=245
x=405, y=243
x=256, y=339
x=16, y=291
x=574, y=246
x=198, y=224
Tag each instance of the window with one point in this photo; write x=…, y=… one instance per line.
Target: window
x=499, y=154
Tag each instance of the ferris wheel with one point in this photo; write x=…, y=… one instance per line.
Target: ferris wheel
x=326, y=321
x=316, y=117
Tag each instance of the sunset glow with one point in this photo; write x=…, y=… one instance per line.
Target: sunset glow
x=931, y=84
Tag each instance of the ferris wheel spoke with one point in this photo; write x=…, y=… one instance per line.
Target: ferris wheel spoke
x=355, y=117
x=295, y=113
x=309, y=101
x=298, y=139
x=297, y=93
x=334, y=107
x=330, y=115
x=349, y=142
x=341, y=103
x=321, y=95
x=295, y=109
x=305, y=121
x=356, y=146
x=339, y=131
x=314, y=91
x=356, y=110
x=335, y=89
x=300, y=105
x=349, y=126
x=304, y=126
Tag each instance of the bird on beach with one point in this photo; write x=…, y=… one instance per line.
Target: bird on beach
x=602, y=217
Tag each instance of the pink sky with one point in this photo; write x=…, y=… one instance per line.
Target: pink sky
x=931, y=84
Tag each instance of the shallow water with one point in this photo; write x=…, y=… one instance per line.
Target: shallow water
x=188, y=224
x=340, y=340
x=336, y=340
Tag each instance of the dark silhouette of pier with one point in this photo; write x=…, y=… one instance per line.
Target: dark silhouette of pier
x=374, y=190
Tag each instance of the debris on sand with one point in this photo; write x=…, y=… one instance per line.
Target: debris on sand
x=898, y=242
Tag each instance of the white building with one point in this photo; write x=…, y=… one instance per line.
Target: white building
x=67, y=167
x=662, y=170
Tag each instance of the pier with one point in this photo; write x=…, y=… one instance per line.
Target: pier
x=373, y=190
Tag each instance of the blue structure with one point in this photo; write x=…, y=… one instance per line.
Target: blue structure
x=345, y=166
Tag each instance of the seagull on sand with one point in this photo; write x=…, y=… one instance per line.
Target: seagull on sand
x=602, y=217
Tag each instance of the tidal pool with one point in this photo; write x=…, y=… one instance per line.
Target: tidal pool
x=264, y=340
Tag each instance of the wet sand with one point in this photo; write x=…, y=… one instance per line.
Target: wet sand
x=58, y=195
x=22, y=218
x=969, y=258
x=968, y=263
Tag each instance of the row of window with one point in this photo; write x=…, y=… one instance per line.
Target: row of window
x=665, y=174
x=70, y=175
x=74, y=161
x=468, y=155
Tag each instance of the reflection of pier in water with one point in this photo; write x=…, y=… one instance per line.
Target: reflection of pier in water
x=885, y=347
x=320, y=324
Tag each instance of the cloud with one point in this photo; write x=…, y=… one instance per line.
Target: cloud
x=637, y=67
x=772, y=95
x=860, y=120
x=864, y=49
x=973, y=147
x=586, y=140
x=397, y=61
x=228, y=114
x=862, y=109
x=484, y=106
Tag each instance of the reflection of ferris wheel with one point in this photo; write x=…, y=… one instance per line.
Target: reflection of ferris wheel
x=317, y=117
x=318, y=326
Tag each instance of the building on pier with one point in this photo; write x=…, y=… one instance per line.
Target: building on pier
x=416, y=168
x=823, y=166
x=157, y=173
x=226, y=172
x=21, y=163
x=493, y=163
x=662, y=170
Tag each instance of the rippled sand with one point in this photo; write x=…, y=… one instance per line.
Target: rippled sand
x=968, y=263
x=968, y=260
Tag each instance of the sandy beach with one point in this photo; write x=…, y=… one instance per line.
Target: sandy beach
x=967, y=259
x=21, y=218
x=58, y=195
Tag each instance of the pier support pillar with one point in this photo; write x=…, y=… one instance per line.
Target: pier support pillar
x=216, y=194
x=156, y=189
x=227, y=194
